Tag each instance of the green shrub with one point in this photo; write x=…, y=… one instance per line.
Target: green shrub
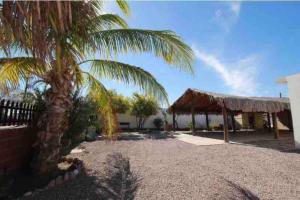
x=190, y=125
x=214, y=126
x=158, y=123
x=120, y=103
x=80, y=117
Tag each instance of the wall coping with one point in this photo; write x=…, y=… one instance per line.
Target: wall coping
x=12, y=127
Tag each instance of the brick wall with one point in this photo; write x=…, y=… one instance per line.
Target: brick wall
x=15, y=147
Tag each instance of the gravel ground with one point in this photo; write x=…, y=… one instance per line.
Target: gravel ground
x=172, y=169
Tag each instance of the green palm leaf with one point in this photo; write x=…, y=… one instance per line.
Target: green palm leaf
x=123, y=5
x=129, y=74
x=81, y=39
x=106, y=21
x=14, y=70
x=164, y=44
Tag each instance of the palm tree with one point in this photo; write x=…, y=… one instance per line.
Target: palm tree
x=56, y=39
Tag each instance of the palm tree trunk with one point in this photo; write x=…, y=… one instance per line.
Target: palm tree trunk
x=52, y=124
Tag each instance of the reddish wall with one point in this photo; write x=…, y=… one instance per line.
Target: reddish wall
x=15, y=148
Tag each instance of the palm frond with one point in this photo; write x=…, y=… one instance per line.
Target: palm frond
x=78, y=76
x=81, y=40
x=100, y=95
x=107, y=21
x=129, y=74
x=123, y=5
x=164, y=44
x=15, y=70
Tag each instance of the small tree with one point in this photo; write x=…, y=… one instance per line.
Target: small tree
x=143, y=107
x=120, y=103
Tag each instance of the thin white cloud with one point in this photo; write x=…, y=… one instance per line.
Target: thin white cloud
x=227, y=16
x=235, y=8
x=239, y=76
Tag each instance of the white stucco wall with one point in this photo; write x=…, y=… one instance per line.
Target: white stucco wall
x=294, y=95
x=182, y=120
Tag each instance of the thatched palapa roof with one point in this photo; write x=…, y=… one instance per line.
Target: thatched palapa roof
x=213, y=102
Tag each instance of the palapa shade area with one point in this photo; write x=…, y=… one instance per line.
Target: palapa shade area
x=195, y=101
x=213, y=102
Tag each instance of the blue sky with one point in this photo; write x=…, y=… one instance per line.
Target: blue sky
x=240, y=48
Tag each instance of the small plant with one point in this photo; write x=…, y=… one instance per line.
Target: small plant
x=221, y=127
x=158, y=123
x=190, y=125
x=214, y=126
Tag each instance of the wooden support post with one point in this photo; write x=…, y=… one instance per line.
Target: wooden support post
x=174, y=122
x=275, y=126
x=269, y=122
x=290, y=122
x=233, y=122
x=207, y=121
x=225, y=120
x=193, y=120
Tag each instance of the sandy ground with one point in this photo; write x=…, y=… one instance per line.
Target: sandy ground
x=173, y=169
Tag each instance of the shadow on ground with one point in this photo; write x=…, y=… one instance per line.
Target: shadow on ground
x=83, y=187
x=282, y=144
x=261, y=139
x=117, y=182
x=95, y=187
x=244, y=192
x=156, y=135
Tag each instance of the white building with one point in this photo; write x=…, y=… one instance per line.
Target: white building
x=293, y=83
x=183, y=121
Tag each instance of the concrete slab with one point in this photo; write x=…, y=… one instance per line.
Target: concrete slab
x=197, y=140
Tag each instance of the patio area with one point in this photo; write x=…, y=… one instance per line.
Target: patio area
x=197, y=140
x=169, y=168
x=246, y=137
x=258, y=113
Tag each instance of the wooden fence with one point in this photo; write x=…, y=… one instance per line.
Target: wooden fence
x=15, y=113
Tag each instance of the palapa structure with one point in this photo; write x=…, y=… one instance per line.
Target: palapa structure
x=195, y=101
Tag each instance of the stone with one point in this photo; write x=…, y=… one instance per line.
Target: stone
x=78, y=164
x=67, y=176
x=69, y=160
x=51, y=184
x=76, y=172
x=91, y=134
x=59, y=180
x=76, y=150
x=72, y=176
x=76, y=161
x=27, y=194
x=38, y=190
